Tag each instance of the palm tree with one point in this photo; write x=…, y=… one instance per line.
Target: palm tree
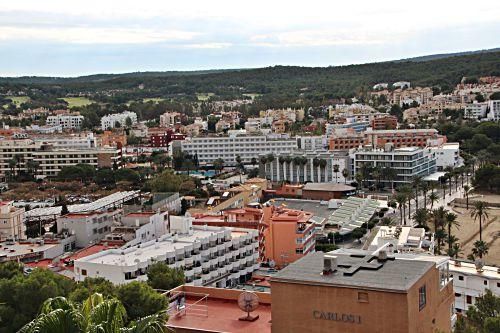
x=96, y=314
x=455, y=250
x=409, y=196
x=218, y=164
x=401, y=200
x=32, y=167
x=480, y=249
x=345, y=174
x=239, y=165
x=480, y=211
x=322, y=165
x=449, y=175
x=288, y=160
x=450, y=220
x=359, y=180
x=376, y=174
x=297, y=160
x=438, y=217
x=270, y=160
x=421, y=217
x=303, y=163
x=316, y=167
x=281, y=161
x=415, y=183
x=390, y=174
x=443, y=180
x=366, y=170
x=440, y=236
x=12, y=165
x=253, y=161
x=467, y=188
x=336, y=169
x=425, y=188
x=433, y=197
x=263, y=161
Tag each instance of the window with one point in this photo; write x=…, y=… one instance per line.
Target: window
x=362, y=297
x=458, y=294
x=422, y=297
x=460, y=277
x=84, y=272
x=485, y=282
x=469, y=299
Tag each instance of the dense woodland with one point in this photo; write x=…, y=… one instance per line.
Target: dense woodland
x=276, y=86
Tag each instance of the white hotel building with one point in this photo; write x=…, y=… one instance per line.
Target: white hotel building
x=66, y=121
x=209, y=256
x=208, y=149
x=408, y=162
x=110, y=120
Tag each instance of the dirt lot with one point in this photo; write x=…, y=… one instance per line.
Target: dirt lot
x=468, y=232
x=36, y=191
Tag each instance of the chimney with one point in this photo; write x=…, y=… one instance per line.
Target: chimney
x=382, y=255
x=329, y=264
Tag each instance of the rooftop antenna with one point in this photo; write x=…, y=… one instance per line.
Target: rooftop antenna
x=248, y=302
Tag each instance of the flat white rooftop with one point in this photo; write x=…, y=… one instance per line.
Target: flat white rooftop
x=152, y=249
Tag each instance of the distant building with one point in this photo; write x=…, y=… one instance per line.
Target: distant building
x=111, y=120
x=384, y=123
x=66, y=121
x=208, y=149
x=170, y=119
x=401, y=84
x=326, y=191
x=401, y=239
x=12, y=224
x=380, y=86
x=306, y=166
x=403, y=138
x=494, y=110
x=407, y=163
x=476, y=111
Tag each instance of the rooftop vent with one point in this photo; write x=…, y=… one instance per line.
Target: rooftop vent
x=382, y=255
x=329, y=264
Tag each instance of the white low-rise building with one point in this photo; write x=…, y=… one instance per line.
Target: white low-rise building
x=208, y=255
x=447, y=155
x=111, y=120
x=400, y=239
x=475, y=110
x=494, y=110
x=11, y=222
x=66, y=121
x=88, y=227
x=470, y=282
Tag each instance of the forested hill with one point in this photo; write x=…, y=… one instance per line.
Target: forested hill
x=282, y=82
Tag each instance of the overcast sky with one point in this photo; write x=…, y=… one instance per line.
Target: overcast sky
x=75, y=37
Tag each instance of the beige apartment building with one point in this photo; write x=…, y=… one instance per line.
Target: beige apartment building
x=11, y=221
x=50, y=160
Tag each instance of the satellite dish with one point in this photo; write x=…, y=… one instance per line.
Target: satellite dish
x=248, y=302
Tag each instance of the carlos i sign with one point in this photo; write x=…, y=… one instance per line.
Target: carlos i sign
x=334, y=316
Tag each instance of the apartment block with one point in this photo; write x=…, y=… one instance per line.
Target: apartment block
x=111, y=120
x=221, y=257
x=471, y=281
x=88, y=227
x=11, y=222
x=403, y=138
x=50, y=159
x=407, y=162
x=387, y=122
x=208, y=149
x=307, y=166
x=66, y=121
x=494, y=110
x=169, y=119
x=476, y=110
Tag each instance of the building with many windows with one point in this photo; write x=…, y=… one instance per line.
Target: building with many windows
x=49, y=159
x=208, y=149
x=306, y=166
x=11, y=222
x=494, y=110
x=215, y=256
x=66, y=121
x=407, y=163
x=111, y=120
x=476, y=110
x=471, y=281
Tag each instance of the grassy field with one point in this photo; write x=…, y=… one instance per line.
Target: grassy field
x=252, y=96
x=77, y=101
x=204, y=96
x=18, y=100
x=154, y=100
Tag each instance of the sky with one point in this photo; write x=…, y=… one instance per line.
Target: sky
x=75, y=37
